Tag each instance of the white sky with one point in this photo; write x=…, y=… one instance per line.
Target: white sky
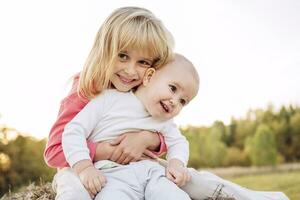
x=247, y=54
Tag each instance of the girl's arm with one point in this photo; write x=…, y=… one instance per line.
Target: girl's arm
x=132, y=145
x=70, y=106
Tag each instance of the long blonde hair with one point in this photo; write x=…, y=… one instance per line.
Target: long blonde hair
x=125, y=28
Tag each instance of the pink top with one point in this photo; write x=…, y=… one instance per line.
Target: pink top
x=70, y=106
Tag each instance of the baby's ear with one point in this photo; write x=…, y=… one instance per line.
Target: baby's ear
x=148, y=75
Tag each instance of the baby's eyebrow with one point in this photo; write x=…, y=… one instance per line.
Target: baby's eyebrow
x=181, y=88
x=177, y=85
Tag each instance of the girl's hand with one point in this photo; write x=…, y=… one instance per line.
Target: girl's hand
x=130, y=147
x=177, y=172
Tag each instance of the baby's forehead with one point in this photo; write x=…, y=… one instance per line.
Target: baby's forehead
x=183, y=73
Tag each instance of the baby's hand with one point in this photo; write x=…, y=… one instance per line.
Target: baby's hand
x=92, y=179
x=177, y=173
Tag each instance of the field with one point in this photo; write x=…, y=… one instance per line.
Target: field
x=287, y=182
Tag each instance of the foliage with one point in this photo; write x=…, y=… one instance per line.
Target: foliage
x=262, y=137
x=22, y=162
x=261, y=147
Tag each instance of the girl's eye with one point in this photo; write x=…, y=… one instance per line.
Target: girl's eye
x=173, y=88
x=123, y=56
x=145, y=63
x=183, y=102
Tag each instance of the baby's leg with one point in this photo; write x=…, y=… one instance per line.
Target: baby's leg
x=67, y=186
x=122, y=183
x=205, y=185
x=157, y=186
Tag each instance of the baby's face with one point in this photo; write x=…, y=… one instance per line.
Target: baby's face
x=169, y=90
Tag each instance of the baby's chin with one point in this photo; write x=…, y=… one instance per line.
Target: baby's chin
x=162, y=117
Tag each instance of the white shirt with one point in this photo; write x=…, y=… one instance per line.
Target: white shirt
x=109, y=115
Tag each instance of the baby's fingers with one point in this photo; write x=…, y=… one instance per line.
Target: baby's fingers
x=188, y=176
x=92, y=187
x=102, y=180
x=88, y=190
x=97, y=184
x=170, y=176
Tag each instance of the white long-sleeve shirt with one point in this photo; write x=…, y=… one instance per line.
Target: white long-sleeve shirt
x=109, y=115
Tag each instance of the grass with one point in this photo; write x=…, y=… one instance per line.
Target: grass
x=287, y=182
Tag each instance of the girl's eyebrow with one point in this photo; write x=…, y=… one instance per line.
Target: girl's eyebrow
x=147, y=59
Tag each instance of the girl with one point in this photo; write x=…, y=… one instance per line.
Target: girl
x=139, y=40
x=136, y=38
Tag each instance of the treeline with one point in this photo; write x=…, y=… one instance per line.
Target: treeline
x=21, y=160
x=262, y=137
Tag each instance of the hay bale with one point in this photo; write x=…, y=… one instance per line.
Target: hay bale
x=32, y=192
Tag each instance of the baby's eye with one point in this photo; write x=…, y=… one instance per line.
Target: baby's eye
x=145, y=63
x=123, y=56
x=183, y=101
x=173, y=88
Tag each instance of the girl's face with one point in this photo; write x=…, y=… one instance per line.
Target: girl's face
x=130, y=68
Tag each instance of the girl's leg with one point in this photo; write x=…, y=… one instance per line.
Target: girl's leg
x=67, y=186
x=205, y=185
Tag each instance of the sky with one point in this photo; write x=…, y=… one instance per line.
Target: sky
x=246, y=52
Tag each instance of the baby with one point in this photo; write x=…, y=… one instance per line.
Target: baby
x=154, y=104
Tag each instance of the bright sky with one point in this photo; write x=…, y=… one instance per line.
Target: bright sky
x=247, y=54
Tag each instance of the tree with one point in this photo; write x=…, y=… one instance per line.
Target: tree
x=262, y=147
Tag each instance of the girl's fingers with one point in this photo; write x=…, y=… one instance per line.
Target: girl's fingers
x=150, y=154
x=117, y=140
x=127, y=160
x=116, y=154
x=121, y=158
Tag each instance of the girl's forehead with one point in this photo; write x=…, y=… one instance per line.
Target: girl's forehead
x=139, y=53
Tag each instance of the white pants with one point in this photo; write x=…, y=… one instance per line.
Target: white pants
x=205, y=185
x=136, y=181
x=126, y=182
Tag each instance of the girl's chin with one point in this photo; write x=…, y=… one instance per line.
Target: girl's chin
x=122, y=87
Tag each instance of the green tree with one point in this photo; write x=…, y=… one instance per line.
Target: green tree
x=262, y=147
x=24, y=155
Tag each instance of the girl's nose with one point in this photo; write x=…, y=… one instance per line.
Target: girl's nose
x=130, y=69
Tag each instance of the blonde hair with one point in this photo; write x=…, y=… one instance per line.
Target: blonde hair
x=126, y=28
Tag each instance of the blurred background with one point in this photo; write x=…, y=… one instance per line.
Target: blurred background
x=247, y=111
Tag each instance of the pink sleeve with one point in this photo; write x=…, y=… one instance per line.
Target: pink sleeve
x=70, y=106
x=162, y=148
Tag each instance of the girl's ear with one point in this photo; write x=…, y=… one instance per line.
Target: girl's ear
x=148, y=75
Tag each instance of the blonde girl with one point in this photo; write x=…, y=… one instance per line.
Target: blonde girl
x=130, y=41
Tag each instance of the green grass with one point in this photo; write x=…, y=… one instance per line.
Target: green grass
x=287, y=182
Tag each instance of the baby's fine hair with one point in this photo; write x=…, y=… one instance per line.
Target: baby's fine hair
x=125, y=29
